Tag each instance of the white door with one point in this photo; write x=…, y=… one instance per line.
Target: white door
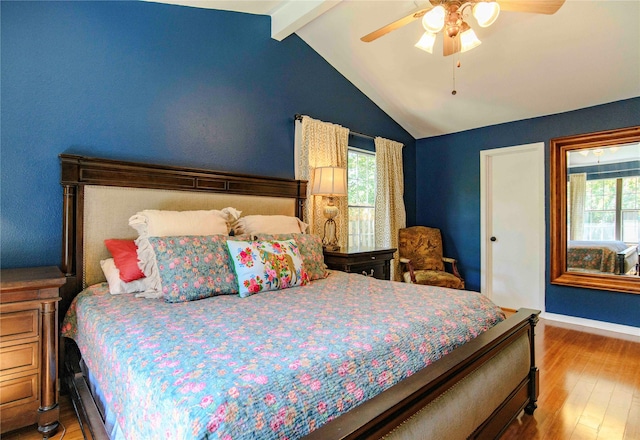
x=512, y=226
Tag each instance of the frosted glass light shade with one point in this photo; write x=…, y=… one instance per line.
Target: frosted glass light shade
x=433, y=21
x=468, y=40
x=426, y=42
x=329, y=181
x=486, y=13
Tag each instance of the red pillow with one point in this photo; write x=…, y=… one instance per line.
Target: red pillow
x=125, y=257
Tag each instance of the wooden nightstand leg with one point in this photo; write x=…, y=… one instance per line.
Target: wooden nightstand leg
x=48, y=413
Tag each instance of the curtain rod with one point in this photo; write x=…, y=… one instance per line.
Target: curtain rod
x=298, y=117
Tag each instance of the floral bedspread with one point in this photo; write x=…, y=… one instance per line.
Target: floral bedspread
x=275, y=365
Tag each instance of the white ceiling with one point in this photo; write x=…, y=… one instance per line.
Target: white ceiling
x=528, y=65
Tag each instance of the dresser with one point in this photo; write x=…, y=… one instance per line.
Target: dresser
x=29, y=348
x=374, y=262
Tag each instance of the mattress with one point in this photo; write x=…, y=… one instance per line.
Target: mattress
x=271, y=366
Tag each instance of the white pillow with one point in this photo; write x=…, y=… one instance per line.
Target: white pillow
x=116, y=285
x=269, y=224
x=156, y=223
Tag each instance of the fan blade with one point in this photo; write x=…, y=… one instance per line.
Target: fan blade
x=450, y=45
x=534, y=6
x=395, y=25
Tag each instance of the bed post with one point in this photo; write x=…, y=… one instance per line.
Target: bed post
x=534, y=374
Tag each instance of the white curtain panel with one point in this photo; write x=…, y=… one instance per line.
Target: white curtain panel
x=577, y=199
x=390, y=214
x=321, y=144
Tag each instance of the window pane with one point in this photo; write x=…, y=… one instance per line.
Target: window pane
x=361, y=227
x=600, y=225
x=631, y=226
x=362, y=196
x=631, y=193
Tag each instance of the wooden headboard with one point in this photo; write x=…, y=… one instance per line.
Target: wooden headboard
x=112, y=190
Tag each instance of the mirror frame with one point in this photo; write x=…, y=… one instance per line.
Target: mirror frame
x=559, y=147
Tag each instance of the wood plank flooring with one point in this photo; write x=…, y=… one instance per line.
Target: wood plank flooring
x=589, y=389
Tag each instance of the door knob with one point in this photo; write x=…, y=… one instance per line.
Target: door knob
x=493, y=239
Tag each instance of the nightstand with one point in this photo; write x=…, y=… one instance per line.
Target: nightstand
x=374, y=262
x=29, y=348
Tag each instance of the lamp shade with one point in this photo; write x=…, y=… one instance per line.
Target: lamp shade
x=426, y=42
x=329, y=181
x=486, y=13
x=433, y=21
x=468, y=38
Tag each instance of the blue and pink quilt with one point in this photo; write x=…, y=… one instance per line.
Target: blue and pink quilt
x=275, y=365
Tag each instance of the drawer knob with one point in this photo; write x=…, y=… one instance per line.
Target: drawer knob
x=373, y=258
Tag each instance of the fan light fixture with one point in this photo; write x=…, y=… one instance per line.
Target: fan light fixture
x=468, y=38
x=426, y=42
x=449, y=16
x=433, y=21
x=486, y=13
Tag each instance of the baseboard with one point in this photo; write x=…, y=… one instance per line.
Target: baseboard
x=593, y=324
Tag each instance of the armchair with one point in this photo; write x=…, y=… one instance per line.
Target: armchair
x=422, y=261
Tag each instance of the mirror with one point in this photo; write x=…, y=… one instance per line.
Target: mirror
x=595, y=210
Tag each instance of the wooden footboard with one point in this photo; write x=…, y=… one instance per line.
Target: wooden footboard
x=379, y=416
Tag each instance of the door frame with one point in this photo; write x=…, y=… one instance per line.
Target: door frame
x=486, y=287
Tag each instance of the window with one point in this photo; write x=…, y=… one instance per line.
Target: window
x=612, y=209
x=361, y=197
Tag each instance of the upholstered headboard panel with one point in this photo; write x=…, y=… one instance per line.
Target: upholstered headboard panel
x=107, y=210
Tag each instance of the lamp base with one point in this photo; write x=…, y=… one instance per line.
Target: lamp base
x=331, y=248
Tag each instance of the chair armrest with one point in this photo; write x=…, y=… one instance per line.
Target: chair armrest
x=408, y=262
x=454, y=265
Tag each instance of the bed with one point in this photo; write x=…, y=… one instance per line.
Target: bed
x=613, y=257
x=472, y=386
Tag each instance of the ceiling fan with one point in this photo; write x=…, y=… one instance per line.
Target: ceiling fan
x=450, y=15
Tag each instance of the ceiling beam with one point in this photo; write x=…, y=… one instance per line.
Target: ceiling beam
x=293, y=15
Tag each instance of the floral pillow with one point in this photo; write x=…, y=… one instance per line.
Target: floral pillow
x=266, y=265
x=193, y=267
x=310, y=247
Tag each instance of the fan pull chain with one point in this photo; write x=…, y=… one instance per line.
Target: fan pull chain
x=456, y=63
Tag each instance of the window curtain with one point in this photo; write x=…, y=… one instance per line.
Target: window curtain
x=321, y=144
x=390, y=214
x=577, y=199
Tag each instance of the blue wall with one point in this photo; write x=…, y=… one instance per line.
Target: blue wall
x=154, y=83
x=453, y=161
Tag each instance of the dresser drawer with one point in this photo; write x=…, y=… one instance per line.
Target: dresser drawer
x=18, y=391
x=18, y=358
x=19, y=325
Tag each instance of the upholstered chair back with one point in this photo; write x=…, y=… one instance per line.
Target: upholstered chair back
x=423, y=246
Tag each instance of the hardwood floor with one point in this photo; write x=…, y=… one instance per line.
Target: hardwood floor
x=589, y=386
x=589, y=389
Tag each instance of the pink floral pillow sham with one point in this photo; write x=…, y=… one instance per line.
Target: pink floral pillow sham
x=266, y=265
x=193, y=267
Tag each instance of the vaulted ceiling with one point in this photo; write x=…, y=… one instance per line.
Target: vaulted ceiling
x=528, y=65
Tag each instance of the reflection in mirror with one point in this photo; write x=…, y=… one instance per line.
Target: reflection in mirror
x=595, y=210
x=603, y=209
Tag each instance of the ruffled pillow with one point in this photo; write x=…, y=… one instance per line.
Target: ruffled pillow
x=268, y=224
x=266, y=265
x=156, y=223
x=310, y=247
